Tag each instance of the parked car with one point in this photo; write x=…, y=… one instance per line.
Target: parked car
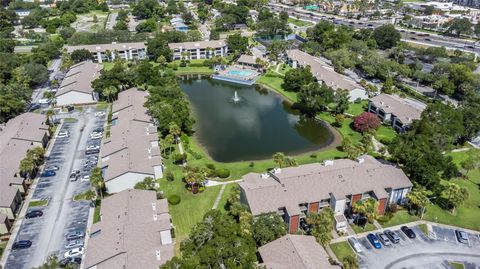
x=355, y=244
x=33, y=107
x=93, y=147
x=462, y=236
x=22, y=244
x=34, y=214
x=75, y=252
x=92, y=158
x=92, y=151
x=394, y=238
x=77, y=243
x=75, y=235
x=63, y=134
x=68, y=261
x=384, y=239
x=408, y=232
x=374, y=241
x=52, y=168
x=100, y=114
x=85, y=178
x=95, y=137
x=48, y=173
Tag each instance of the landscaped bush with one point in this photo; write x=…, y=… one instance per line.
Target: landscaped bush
x=223, y=173
x=313, y=155
x=179, y=158
x=170, y=176
x=366, y=122
x=210, y=166
x=174, y=199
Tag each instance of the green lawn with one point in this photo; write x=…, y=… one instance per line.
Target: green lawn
x=299, y=23
x=38, y=203
x=342, y=250
x=193, y=70
x=357, y=109
x=96, y=213
x=385, y=133
x=274, y=81
x=369, y=227
x=400, y=217
x=457, y=265
x=223, y=200
x=468, y=214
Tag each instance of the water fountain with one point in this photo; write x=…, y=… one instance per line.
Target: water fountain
x=236, y=98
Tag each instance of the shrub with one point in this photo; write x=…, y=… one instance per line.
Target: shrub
x=223, y=173
x=160, y=195
x=201, y=189
x=174, y=199
x=183, y=63
x=252, y=164
x=366, y=122
x=170, y=176
x=313, y=155
x=179, y=158
x=210, y=166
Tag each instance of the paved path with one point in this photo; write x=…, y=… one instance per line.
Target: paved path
x=211, y=183
x=219, y=196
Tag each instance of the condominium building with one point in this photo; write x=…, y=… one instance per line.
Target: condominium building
x=398, y=111
x=199, y=49
x=135, y=231
x=325, y=73
x=294, y=191
x=109, y=52
x=131, y=152
x=17, y=136
x=76, y=87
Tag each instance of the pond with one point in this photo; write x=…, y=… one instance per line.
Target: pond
x=253, y=127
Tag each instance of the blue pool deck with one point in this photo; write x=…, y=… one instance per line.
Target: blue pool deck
x=239, y=75
x=235, y=80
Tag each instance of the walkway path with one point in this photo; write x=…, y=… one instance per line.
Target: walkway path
x=219, y=196
x=224, y=184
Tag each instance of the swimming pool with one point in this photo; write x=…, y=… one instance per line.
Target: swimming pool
x=240, y=73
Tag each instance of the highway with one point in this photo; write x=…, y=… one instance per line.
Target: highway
x=408, y=35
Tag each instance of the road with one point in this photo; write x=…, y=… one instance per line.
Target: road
x=53, y=70
x=62, y=214
x=411, y=36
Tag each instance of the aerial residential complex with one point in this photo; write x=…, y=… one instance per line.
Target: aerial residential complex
x=135, y=231
x=17, y=136
x=131, y=152
x=294, y=191
x=76, y=87
x=199, y=49
x=326, y=74
x=399, y=112
x=294, y=251
x=109, y=52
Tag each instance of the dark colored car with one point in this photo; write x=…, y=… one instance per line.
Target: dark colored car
x=374, y=241
x=462, y=236
x=68, y=261
x=408, y=232
x=92, y=151
x=22, y=244
x=48, y=173
x=34, y=214
x=392, y=236
x=33, y=107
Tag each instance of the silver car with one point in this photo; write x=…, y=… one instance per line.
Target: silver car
x=384, y=239
x=75, y=235
x=74, y=244
x=355, y=244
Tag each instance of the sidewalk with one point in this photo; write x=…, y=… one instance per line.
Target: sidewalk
x=24, y=207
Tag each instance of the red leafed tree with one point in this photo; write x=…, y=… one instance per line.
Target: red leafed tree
x=366, y=122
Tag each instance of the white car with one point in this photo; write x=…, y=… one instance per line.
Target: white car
x=96, y=135
x=85, y=178
x=74, y=252
x=44, y=101
x=78, y=243
x=63, y=134
x=93, y=147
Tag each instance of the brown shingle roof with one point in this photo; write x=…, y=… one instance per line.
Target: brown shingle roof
x=79, y=78
x=315, y=182
x=321, y=71
x=129, y=233
x=403, y=108
x=294, y=251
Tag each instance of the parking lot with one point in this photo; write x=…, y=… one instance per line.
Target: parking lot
x=422, y=251
x=62, y=214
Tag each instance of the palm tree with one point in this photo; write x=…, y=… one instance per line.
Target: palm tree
x=37, y=154
x=418, y=199
x=366, y=207
x=26, y=167
x=50, y=114
x=350, y=262
x=97, y=181
x=279, y=158
x=174, y=130
x=195, y=176
x=169, y=141
x=109, y=92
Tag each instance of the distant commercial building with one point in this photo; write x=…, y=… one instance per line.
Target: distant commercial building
x=294, y=191
x=76, y=87
x=109, y=52
x=295, y=251
x=400, y=112
x=199, y=49
x=326, y=74
x=135, y=231
x=17, y=136
x=131, y=152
